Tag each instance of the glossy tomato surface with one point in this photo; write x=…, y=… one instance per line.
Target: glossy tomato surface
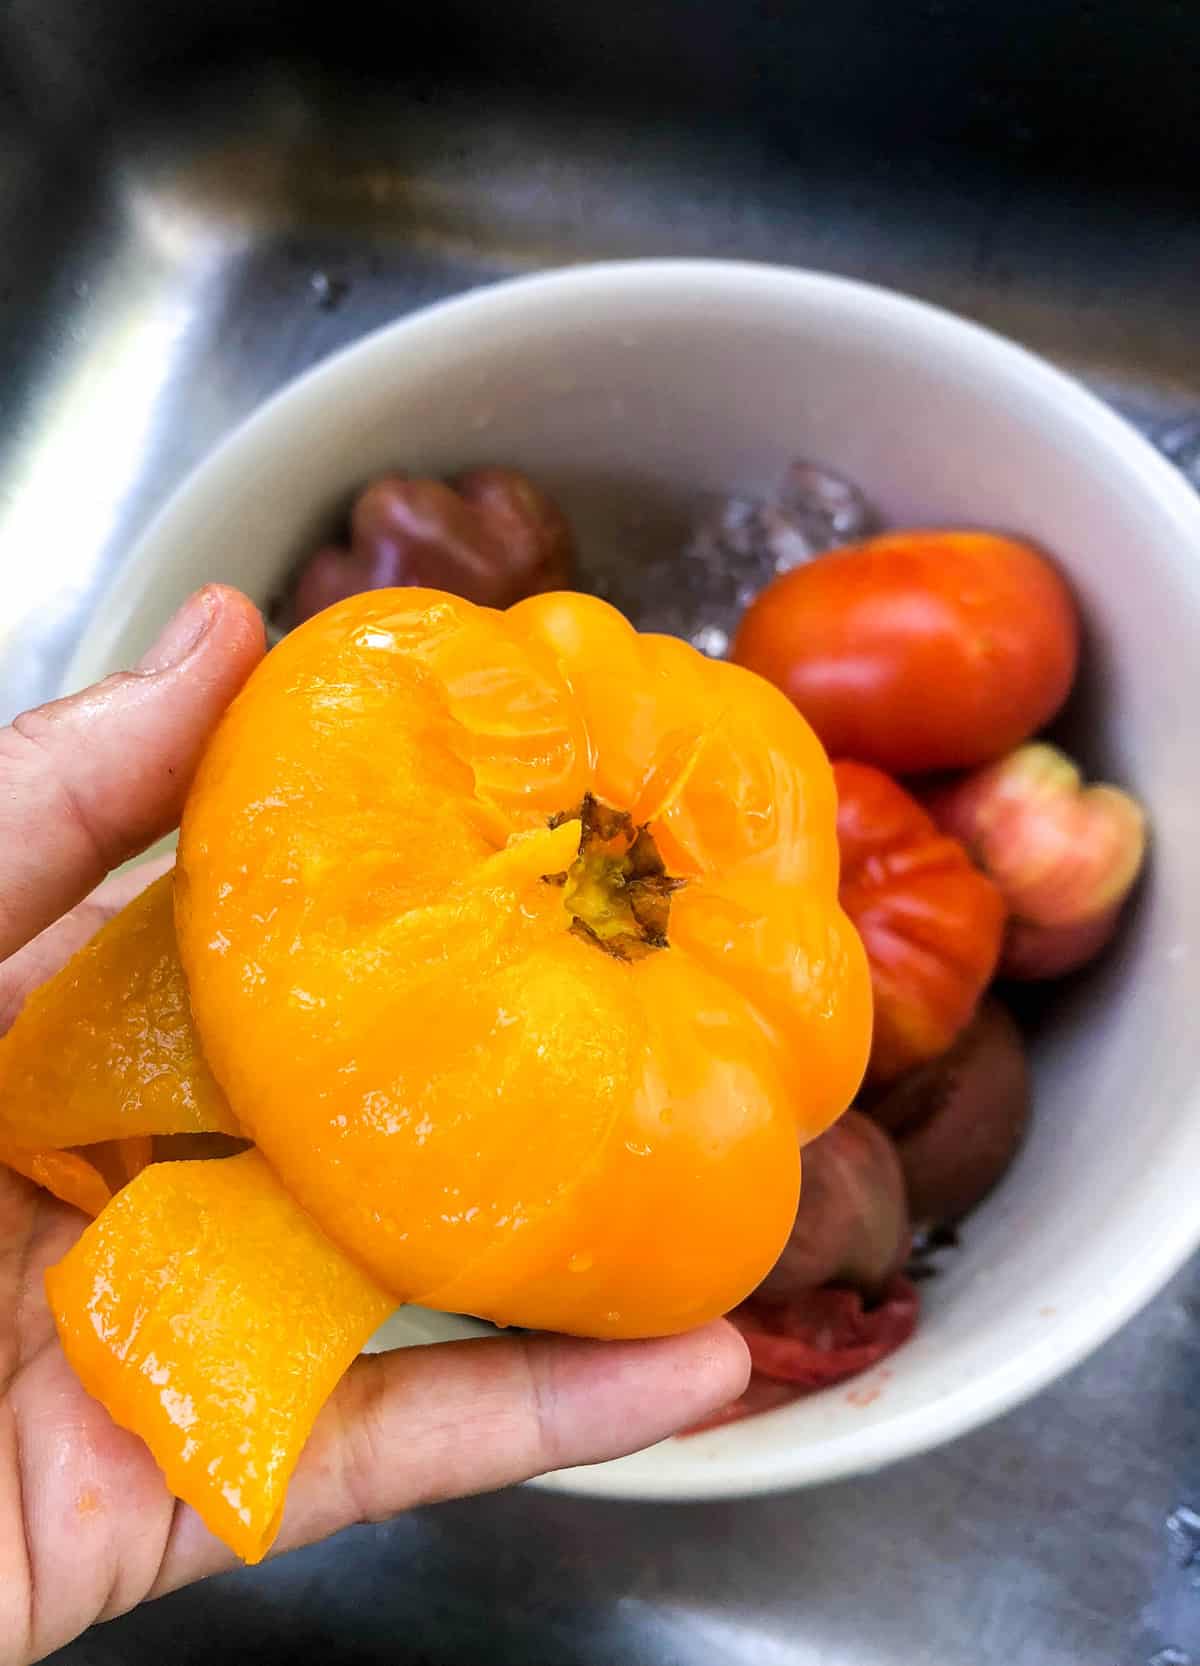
x=919, y=651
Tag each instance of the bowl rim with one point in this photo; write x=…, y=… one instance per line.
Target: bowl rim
x=995, y=358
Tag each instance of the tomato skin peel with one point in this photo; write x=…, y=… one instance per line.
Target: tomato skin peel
x=214, y=1319
x=104, y=1056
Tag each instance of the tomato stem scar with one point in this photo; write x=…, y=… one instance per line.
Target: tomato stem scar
x=617, y=891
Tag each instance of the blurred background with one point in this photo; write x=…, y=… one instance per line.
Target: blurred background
x=198, y=201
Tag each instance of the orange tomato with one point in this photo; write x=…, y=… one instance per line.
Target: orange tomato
x=932, y=924
x=513, y=941
x=1066, y=856
x=919, y=651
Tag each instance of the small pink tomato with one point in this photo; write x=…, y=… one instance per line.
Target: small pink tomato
x=1065, y=856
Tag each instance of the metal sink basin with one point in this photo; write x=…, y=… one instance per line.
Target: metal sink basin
x=196, y=204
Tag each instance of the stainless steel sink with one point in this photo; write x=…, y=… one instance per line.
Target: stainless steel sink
x=199, y=201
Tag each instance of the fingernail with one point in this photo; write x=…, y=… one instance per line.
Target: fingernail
x=181, y=635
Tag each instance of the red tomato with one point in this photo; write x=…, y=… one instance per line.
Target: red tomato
x=931, y=923
x=918, y=651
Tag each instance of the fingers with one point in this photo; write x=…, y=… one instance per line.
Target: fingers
x=424, y=1424
x=88, y=781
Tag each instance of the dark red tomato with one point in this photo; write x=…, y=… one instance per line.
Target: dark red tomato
x=918, y=651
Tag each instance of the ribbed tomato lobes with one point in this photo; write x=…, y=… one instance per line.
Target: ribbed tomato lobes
x=931, y=922
x=478, y=1100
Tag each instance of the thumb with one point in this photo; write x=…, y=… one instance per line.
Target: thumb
x=88, y=781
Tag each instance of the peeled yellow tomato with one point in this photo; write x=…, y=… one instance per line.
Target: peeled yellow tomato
x=407, y=878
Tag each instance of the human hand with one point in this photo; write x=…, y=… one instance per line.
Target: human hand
x=87, y=1526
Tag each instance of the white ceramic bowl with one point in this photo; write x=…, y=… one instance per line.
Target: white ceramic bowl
x=626, y=389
